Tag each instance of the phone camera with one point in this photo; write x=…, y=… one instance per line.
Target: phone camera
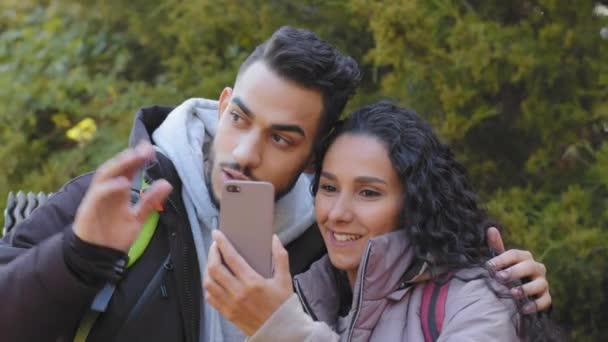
x=233, y=188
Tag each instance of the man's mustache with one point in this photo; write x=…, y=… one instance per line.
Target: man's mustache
x=237, y=167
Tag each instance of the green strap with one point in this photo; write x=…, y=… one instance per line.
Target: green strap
x=85, y=326
x=143, y=239
x=137, y=249
x=145, y=235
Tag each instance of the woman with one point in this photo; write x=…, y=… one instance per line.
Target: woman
x=396, y=213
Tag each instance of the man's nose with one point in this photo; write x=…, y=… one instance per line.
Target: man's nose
x=248, y=153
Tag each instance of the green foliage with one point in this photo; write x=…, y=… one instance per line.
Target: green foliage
x=517, y=88
x=56, y=71
x=525, y=79
x=568, y=235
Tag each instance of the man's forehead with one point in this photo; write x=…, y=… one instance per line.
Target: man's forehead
x=275, y=119
x=261, y=93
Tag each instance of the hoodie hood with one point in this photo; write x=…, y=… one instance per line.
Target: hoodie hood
x=294, y=212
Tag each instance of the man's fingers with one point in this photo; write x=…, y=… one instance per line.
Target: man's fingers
x=540, y=304
x=125, y=163
x=154, y=196
x=280, y=259
x=525, y=269
x=509, y=258
x=533, y=289
x=235, y=262
x=118, y=186
x=494, y=240
x=543, y=302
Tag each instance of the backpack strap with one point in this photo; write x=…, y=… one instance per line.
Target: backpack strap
x=85, y=326
x=145, y=235
x=432, y=309
x=103, y=297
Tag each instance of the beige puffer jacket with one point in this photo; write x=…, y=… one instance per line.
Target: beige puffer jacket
x=385, y=307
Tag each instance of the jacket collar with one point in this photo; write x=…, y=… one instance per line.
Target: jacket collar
x=146, y=121
x=386, y=270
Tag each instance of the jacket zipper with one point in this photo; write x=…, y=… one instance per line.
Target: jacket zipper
x=359, y=298
x=186, y=280
x=304, y=302
x=159, y=278
x=168, y=266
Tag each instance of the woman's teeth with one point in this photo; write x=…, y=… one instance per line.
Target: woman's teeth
x=346, y=237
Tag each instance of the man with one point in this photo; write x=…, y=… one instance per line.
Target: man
x=287, y=95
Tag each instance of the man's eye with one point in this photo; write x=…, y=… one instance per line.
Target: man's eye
x=235, y=117
x=279, y=140
x=328, y=188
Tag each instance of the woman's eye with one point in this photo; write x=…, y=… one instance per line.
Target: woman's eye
x=370, y=193
x=328, y=188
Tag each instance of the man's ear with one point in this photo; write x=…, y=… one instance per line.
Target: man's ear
x=310, y=167
x=224, y=100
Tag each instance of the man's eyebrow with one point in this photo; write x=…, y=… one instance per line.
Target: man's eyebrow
x=237, y=100
x=288, y=128
x=277, y=127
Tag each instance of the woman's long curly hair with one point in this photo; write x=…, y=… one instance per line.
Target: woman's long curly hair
x=445, y=224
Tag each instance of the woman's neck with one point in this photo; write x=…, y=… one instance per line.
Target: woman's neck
x=352, y=277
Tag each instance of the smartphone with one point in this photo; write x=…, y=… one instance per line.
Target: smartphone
x=246, y=218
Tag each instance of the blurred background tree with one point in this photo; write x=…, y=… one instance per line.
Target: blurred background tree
x=517, y=88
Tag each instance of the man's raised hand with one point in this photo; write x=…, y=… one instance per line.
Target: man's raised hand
x=106, y=216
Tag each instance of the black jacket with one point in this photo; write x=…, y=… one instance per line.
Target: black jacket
x=157, y=300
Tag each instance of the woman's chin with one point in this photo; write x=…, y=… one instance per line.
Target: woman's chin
x=344, y=263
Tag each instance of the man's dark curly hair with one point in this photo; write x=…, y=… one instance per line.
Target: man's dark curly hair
x=445, y=224
x=300, y=56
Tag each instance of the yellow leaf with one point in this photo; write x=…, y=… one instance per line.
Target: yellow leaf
x=83, y=131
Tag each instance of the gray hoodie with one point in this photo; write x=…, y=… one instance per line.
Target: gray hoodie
x=185, y=137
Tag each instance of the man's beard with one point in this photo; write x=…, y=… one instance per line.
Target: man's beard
x=208, y=181
x=280, y=193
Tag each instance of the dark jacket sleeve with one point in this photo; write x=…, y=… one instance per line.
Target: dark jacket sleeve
x=42, y=299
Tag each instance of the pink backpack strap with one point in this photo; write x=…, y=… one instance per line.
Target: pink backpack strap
x=432, y=309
